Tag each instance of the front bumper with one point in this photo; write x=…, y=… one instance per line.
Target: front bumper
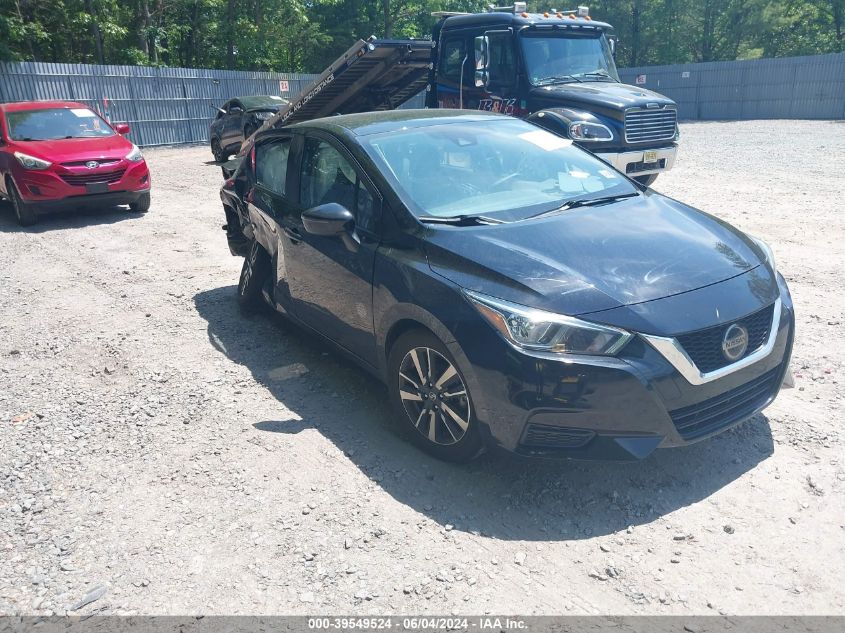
x=51, y=189
x=619, y=408
x=634, y=163
x=100, y=200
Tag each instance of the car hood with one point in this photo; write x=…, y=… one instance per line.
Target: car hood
x=594, y=258
x=603, y=94
x=76, y=149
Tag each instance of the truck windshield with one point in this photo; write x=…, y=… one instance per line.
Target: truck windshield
x=496, y=166
x=565, y=58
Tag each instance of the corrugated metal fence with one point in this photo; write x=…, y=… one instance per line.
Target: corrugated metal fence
x=171, y=106
x=810, y=87
x=164, y=106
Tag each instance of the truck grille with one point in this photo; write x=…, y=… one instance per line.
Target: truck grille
x=704, y=347
x=79, y=180
x=645, y=126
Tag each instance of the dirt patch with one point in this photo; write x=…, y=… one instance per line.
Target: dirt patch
x=160, y=453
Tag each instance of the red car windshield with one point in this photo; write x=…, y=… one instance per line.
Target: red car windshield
x=56, y=123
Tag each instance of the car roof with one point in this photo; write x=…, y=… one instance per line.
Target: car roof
x=259, y=101
x=365, y=123
x=21, y=106
x=550, y=19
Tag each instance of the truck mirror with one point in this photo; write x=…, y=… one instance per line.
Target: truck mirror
x=612, y=43
x=482, y=53
x=482, y=78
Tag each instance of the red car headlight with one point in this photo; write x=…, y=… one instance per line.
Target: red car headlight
x=30, y=162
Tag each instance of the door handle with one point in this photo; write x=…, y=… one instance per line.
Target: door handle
x=293, y=235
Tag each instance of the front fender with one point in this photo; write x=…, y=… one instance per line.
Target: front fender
x=557, y=121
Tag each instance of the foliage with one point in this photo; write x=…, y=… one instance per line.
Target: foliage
x=305, y=35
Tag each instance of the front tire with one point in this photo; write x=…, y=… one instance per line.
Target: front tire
x=219, y=155
x=431, y=397
x=24, y=212
x=142, y=205
x=646, y=180
x=254, y=273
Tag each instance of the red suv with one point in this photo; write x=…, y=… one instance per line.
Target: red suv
x=62, y=155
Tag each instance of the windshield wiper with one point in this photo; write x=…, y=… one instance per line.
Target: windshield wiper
x=459, y=220
x=597, y=73
x=556, y=78
x=582, y=202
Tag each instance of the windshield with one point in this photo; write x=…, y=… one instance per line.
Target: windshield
x=502, y=165
x=551, y=58
x=55, y=123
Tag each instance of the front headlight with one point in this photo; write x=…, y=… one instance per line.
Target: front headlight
x=135, y=155
x=30, y=162
x=538, y=330
x=586, y=131
x=768, y=253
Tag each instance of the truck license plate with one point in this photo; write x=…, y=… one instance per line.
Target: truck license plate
x=650, y=156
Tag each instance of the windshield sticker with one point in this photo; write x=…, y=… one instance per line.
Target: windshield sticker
x=82, y=113
x=545, y=140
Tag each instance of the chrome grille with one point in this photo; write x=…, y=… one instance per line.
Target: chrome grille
x=642, y=126
x=704, y=347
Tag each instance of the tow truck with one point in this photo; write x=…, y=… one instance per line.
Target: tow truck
x=554, y=68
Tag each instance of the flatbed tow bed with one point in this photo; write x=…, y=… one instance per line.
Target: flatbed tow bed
x=370, y=76
x=555, y=70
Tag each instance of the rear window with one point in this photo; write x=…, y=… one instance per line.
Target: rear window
x=55, y=123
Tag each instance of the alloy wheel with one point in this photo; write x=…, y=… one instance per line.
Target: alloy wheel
x=434, y=396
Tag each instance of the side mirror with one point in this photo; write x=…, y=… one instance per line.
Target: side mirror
x=330, y=219
x=482, y=52
x=122, y=128
x=482, y=61
x=612, y=43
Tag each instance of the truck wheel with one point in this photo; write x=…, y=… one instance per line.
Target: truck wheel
x=431, y=398
x=142, y=205
x=253, y=275
x=24, y=213
x=646, y=180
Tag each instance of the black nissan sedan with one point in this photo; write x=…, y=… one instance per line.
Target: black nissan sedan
x=512, y=290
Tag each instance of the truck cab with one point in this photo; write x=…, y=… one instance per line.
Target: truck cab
x=557, y=70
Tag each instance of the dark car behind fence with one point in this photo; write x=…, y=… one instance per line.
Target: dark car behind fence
x=172, y=106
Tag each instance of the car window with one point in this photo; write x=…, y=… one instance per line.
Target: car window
x=271, y=165
x=494, y=165
x=454, y=52
x=56, y=123
x=502, y=61
x=235, y=108
x=327, y=176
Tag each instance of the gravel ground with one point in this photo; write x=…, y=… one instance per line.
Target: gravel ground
x=161, y=454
